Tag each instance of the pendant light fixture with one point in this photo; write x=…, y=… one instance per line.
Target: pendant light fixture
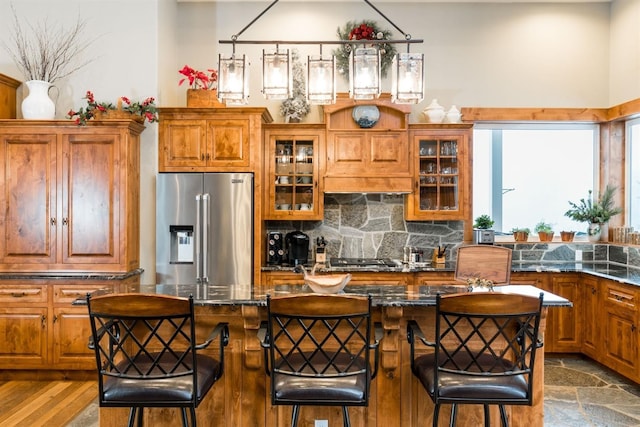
x=364, y=70
x=407, y=77
x=276, y=74
x=233, y=79
x=321, y=79
x=364, y=73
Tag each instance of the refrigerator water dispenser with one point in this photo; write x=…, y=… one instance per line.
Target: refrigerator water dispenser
x=182, y=244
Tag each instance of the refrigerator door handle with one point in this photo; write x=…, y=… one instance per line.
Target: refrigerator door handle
x=206, y=199
x=198, y=233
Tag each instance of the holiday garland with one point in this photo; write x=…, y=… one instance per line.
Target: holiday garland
x=363, y=30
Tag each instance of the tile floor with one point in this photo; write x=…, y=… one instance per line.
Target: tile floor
x=578, y=393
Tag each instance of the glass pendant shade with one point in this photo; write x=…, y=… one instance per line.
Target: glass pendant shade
x=233, y=80
x=321, y=80
x=407, y=79
x=276, y=74
x=364, y=73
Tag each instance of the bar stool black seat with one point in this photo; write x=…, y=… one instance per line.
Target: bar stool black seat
x=484, y=351
x=318, y=349
x=147, y=355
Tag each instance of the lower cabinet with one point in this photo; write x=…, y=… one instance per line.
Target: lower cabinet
x=563, y=323
x=591, y=302
x=43, y=330
x=620, y=328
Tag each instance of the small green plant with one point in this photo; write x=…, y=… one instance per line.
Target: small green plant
x=520, y=230
x=593, y=211
x=543, y=227
x=483, y=222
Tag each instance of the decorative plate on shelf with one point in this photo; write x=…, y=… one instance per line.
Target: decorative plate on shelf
x=366, y=116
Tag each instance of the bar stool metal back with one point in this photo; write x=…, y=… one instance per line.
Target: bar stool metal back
x=318, y=349
x=484, y=351
x=146, y=353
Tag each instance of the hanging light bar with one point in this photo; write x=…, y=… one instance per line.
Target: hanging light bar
x=364, y=65
x=233, y=79
x=321, y=79
x=364, y=73
x=407, y=78
x=276, y=74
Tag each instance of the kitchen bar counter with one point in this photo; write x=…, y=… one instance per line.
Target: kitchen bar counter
x=241, y=398
x=382, y=296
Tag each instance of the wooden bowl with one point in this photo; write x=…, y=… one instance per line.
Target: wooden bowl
x=327, y=284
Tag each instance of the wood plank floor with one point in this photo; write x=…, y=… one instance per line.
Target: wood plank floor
x=44, y=403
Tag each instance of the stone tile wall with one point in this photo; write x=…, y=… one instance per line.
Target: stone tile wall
x=373, y=226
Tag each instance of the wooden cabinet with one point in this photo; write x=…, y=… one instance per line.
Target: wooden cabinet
x=24, y=317
x=291, y=172
x=373, y=159
x=69, y=195
x=441, y=182
x=620, y=328
x=44, y=329
x=210, y=139
x=564, y=323
x=591, y=316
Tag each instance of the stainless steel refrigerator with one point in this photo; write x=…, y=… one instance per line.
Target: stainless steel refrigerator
x=204, y=228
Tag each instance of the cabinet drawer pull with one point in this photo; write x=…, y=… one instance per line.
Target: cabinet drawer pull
x=18, y=294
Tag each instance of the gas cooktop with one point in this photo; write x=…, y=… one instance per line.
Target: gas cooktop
x=362, y=262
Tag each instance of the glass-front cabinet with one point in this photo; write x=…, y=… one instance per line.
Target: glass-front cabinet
x=292, y=177
x=441, y=173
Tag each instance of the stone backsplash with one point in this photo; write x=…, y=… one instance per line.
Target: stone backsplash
x=373, y=226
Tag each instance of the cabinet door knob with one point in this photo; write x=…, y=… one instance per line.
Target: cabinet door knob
x=53, y=221
x=65, y=221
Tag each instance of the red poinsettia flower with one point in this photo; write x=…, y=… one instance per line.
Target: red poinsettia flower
x=199, y=79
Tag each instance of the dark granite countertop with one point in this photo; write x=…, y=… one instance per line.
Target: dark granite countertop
x=619, y=272
x=70, y=275
x=383, y=296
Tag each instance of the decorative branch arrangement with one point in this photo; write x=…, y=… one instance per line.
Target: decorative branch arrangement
x=45, y=52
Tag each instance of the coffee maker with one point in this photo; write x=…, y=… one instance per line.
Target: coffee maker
x=297, y=244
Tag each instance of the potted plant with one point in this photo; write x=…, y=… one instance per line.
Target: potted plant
x=482, y=233
x=520, y=234
x=203, y=87
x=545, y=231
x=595, y=212
x=45, y=54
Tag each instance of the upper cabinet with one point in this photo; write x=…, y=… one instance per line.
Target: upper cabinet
x=69, y=195
x=441, y=182
x=291, y=172
x=367, y=147
x=210, y=139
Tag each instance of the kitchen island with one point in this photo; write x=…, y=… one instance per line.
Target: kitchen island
x=241, y=397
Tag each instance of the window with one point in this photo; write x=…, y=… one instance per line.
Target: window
x=523, y=174
x=633, y=171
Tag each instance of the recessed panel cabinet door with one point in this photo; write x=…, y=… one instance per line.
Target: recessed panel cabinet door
x=91, y=199
x=24, y=345
x=28, y=199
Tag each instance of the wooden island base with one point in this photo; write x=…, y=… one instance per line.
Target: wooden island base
x=241, y=398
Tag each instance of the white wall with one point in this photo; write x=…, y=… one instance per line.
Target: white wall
x=624, y=61
x=486, y=54
x=491, y=55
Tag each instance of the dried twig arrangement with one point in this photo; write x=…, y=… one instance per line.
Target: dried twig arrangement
x=47, y=53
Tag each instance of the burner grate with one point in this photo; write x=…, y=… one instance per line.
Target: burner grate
x=361, y=262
